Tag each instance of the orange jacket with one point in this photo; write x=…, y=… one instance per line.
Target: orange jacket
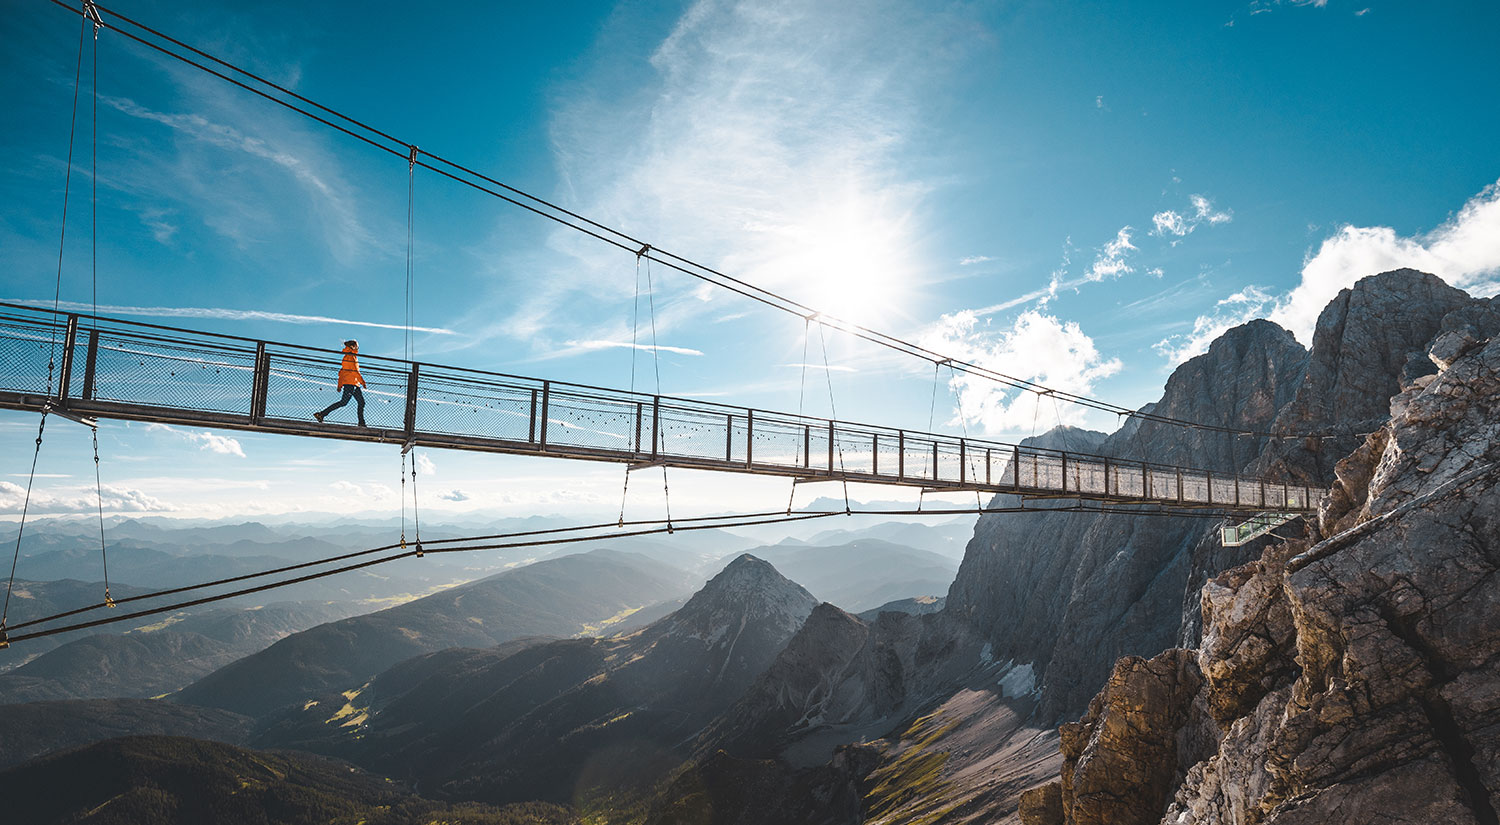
x=349, y=370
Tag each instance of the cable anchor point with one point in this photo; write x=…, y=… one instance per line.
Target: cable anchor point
x=4, y=638
x=109, y=600
x=641, y=253
x=411, y=157
x=91, y=12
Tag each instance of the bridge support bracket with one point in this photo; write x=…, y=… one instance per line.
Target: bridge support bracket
x=644, y=465
x=60, y=412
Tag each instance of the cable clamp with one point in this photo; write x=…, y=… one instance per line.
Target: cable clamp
x=411, y=158
x=53, y=409
x=408, y=445
x=91, y=12
x=4, y=638
x=643, y=250
x=108, y=599
x=420, y=552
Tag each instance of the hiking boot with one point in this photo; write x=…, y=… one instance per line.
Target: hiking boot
x=317, y=416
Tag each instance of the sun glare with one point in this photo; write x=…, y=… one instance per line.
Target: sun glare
x=849, y=262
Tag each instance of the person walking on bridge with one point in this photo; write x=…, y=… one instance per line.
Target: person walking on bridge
x=350, y=382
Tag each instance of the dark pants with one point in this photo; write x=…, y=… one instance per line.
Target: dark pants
x=350, y=391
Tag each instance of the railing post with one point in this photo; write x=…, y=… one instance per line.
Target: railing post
x=260, y=379
x=874, y=454
x=1236, y=490
x=962, y=461
x=1208, y=479
x=729, y=440
x=542, y=417
x=65, y=376
x=749, y=437
x=934, y=461
x=655, y=426
x=1179, y=486
x=1146, y=491
x=989, y=463
x=830, y=447
x=901, y=454
x=410, y=423
x=1065, y=472
x=807, y=445
x=88, y=365
x=640, y=413
x=1262, y=494
x=1015, y=465
x=531, y=424
x=1106, y=476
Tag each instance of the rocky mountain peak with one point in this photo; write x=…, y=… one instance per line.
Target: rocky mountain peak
x=748, y=589
x=1367, y=338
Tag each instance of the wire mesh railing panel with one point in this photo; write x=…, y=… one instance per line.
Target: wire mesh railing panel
x=777, y=443
x=1225, y=490
x=1194, y=487
x=688, y=433
x=887, y=455
x=1088, y=476
x=950, y=466
x=457, y=407
x=178, y=375
x=1127, y=481
x=919, y=462
x=854, y=451
x=300, y=384
x=25, y=350
x=581, y=421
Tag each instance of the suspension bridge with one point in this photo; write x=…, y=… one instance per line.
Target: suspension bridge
x=111, y=368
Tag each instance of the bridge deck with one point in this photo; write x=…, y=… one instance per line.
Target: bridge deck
x=111, y=368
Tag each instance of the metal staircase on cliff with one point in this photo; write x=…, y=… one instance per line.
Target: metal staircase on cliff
x=1254, y=527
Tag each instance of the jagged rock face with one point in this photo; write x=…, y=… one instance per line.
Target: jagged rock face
x=1120, y=760
x=1366, y=339
x=1389, y=710
x=1071, y=593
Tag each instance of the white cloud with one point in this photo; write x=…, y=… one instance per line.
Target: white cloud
x=590, y=346
x=829, y=367
x=1250, y=302
x=454, y=495
x=711, y=155
x=212, y=442
x=221, y=314
x=1110, y=262
x=425, y=465
x=1037, y=347
x=1464, y=251
x=1179, y=224
x=77, y=500
x=974, y=259
x=1169, y=223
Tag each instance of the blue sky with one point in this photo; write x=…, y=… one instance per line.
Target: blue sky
x=1082, y=193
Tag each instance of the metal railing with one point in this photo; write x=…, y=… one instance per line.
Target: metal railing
x=112, y=368
x=1253, y=528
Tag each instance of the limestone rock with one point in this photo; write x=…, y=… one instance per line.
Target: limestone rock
x=1120, y=761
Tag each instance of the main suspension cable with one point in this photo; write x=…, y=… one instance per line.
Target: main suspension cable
x=622, y=240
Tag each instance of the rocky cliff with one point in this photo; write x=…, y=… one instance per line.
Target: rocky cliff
x=1351, y=679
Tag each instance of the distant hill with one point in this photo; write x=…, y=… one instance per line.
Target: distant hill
x=163, y=780
x=558, y=597
x=863, y=574
x=150, y=662
x=552, y=720
x=37, y=728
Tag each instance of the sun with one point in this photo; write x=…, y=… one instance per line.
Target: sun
x=850, y=263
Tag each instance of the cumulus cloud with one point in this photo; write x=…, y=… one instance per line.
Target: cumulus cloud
x=1037, y=347
x=1464, y=251
x=212, y=442
x=77, y=500
x=425, y=465
x=454, y=495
